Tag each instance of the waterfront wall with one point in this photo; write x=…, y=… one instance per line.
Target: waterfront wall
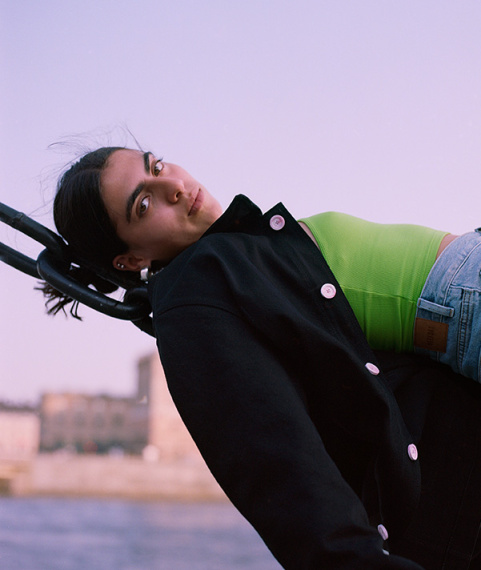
x=187, y=478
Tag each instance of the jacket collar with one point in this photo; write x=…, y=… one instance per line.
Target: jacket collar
x=241, y=215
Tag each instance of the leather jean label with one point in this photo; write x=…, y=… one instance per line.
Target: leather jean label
x=430, y=335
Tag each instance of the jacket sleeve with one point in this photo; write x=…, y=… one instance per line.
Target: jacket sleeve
x=250, y=422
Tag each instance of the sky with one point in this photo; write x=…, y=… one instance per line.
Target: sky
x=371, y=108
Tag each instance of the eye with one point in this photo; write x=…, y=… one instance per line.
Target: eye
x=143, y=206
x=158, y=167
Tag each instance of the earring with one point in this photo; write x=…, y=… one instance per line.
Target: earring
x=120, y=265
x=145, y=274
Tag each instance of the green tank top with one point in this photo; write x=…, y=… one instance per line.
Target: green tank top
x=381, y=269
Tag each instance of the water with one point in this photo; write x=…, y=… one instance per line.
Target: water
x=90, y=534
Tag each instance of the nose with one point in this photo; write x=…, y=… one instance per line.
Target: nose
x=173, y=189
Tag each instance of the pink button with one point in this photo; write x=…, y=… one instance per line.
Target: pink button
x=277, y=222
x=373, y=369
x=412, y=452
x=328, y=290
x=381, y=529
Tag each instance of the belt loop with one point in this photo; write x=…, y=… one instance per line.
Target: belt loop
x=435, y=308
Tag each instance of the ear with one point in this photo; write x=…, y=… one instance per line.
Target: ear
x=129, y=262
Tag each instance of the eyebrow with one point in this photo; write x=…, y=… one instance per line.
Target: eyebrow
x=131, y=199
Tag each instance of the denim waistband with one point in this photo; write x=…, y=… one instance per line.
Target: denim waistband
x=458, y=258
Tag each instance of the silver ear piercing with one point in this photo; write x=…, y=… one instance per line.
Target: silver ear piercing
x=145, y=274
x=120, y=265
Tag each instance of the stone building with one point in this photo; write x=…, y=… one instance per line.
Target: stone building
x=146, y=423
x=19, y=433
x=168, y=437
x=19, y=440
x=92, y=423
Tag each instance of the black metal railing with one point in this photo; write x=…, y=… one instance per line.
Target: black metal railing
x=53, y=264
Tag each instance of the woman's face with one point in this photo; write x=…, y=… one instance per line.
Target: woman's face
x=158, y=209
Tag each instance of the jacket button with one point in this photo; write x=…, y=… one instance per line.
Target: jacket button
x=381, y=529
x=277, y=222
x=328, y=290
x=412, y=452
x=373, y=369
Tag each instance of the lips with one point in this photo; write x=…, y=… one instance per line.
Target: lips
x=197, y=203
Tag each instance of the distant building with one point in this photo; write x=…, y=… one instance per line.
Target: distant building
x=147, y=423
x=167, y=435
x=19, y=433
x=92, y=423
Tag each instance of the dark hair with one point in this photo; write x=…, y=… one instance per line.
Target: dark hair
x=82, y=220
x=80, y=214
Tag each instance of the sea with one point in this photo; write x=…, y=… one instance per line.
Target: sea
x=90, y=534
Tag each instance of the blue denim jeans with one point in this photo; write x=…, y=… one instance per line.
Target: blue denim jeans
x=448, y=317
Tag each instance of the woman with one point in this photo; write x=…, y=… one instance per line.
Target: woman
x=317, y=441
x=152, y=211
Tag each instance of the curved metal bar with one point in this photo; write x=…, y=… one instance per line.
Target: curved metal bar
x=55, y=244
x=53, y=266
x=145, y=324
x=53, y=271
x=19, y=221
x=18, y=260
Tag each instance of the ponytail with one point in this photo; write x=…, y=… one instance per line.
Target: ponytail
x=82, y=220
